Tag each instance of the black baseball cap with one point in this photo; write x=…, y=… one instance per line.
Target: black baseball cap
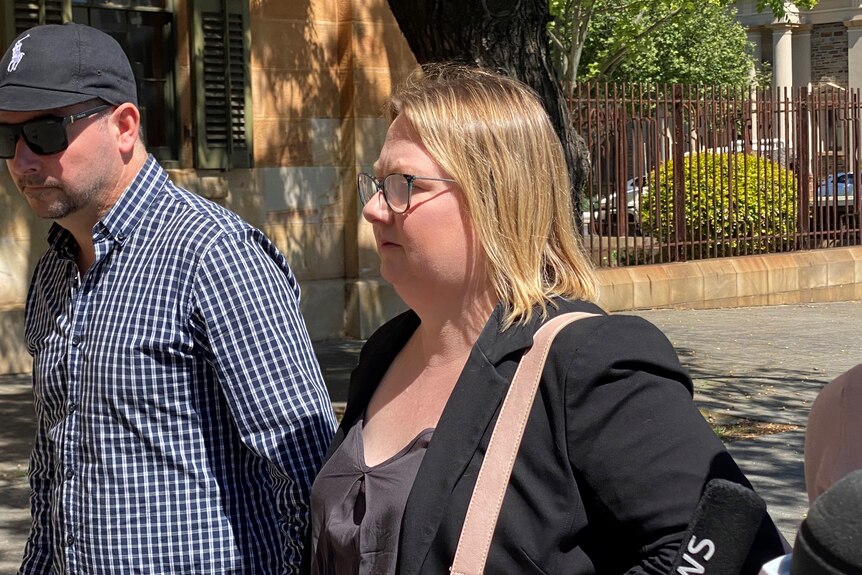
x=55, y=66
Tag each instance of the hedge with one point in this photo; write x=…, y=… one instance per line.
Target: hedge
x=735, y=204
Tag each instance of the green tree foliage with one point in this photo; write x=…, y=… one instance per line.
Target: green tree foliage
x=703, y=47
x=597, y=36
x=779, y=7
x=734, y=204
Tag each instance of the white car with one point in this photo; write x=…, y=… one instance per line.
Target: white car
x=606, y=206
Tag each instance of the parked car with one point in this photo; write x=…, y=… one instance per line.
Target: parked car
x=586, y=218
x=834, y=204
x=606, y=206
x=839, y=186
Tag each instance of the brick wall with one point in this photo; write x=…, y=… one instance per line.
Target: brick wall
x=829, y=53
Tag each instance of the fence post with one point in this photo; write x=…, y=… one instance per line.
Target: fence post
x=802, y=163
x=678, y=253
x=854, y=224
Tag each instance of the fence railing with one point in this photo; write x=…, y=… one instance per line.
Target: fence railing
x=692, y=172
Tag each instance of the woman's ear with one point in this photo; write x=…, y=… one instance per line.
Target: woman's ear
x=127, y=119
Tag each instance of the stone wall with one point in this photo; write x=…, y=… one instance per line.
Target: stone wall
x=833, y=274
x=22, y=240
x=321, y=71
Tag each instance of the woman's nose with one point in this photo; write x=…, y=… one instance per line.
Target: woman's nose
x=375, y=209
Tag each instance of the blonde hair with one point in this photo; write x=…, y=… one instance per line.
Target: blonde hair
x=491, y=134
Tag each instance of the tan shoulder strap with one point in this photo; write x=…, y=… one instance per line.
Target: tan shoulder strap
x=490, y=488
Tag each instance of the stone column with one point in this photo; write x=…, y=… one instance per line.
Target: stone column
x=782, y=54
x=854, y=70
x=782, y=76
x=802, y=78
x=854, y=52
x=754, y=35
x=802, y=55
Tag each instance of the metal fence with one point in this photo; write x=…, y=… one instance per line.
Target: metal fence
x=692, y=172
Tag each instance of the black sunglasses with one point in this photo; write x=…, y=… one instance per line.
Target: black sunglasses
x=45, y=135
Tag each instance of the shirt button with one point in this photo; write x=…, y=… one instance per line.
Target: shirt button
x=70, y=473
x=73, y=407
x=76, y=340
x=70, y=540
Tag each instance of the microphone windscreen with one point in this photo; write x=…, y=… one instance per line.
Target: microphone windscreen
x=721, y=531
x=829, y=540
x=778, y=566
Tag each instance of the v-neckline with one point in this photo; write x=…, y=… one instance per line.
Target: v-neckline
x=360, y=447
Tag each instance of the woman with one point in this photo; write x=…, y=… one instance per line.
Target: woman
x=471, y=211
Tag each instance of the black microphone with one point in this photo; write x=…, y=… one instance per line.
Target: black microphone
x=829, y=541
x=721, y=531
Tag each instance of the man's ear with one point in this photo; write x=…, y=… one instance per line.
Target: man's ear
x=127, y=119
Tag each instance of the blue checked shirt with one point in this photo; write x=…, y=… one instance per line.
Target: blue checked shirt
x=181, y=412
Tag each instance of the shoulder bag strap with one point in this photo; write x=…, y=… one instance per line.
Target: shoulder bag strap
x=484, y=508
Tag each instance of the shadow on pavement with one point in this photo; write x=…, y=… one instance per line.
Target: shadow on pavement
x=17, y=429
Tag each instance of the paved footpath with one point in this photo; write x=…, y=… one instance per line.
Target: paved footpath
x=762, y=363
x=767, y=364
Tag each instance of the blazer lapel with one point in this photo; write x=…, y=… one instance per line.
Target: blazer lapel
x=470, y=410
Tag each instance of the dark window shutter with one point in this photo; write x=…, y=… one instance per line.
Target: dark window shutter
x=23, y=14
x=222, y=85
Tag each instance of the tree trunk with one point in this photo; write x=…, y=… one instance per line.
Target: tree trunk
x=509, y=36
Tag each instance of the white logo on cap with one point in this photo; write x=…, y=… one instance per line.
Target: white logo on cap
x=17, y=54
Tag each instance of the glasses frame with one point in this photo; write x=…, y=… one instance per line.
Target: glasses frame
x=18, y=130
x=381, y=187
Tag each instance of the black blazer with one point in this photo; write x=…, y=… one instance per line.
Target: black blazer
x=612, y=463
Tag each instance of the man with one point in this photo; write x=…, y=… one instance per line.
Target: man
x=181, y=412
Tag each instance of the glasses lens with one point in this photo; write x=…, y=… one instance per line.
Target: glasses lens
x=46, y=136
x=8, y=140
x=397, y=192
x=367, y=187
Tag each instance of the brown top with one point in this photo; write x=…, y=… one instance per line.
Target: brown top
x=356, y=510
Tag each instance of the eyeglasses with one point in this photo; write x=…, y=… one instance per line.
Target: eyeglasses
x=45, y=136
x=396, y=188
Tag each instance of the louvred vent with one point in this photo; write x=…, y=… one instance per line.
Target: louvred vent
x=224, y=79
x=28, y=13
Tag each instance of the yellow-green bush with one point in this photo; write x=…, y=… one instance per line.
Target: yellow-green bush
x=735, y=204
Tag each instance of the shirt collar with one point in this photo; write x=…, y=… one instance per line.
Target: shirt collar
x=61, y=241
x=126, y=213
x=133, y=203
